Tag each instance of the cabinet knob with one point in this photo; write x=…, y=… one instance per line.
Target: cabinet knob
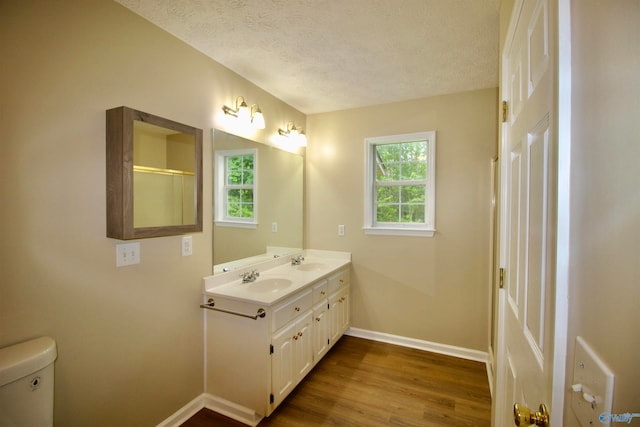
x=318, y=319
x=295, y=337
x=299, y=334
x=297, y=309
x=341, y=281
x=323, y=293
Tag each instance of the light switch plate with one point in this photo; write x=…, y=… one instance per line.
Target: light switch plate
x=127, y=254
x=187, y=245
x=592, y=387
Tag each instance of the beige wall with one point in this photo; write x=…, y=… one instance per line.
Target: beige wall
x=433, y=289
x=605, y=199
x=129, y=339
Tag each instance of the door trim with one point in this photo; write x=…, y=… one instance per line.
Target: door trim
x=563, y=218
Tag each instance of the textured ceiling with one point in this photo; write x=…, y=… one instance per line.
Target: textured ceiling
x=327, y=55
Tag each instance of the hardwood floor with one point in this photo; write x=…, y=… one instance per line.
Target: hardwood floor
x=368, y=383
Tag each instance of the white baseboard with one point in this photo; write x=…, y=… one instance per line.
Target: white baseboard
x=231, y=410
x=449, y=350
x=184, y=413
x=217, y=404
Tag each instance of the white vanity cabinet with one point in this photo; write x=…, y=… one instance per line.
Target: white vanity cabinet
x=254, y=362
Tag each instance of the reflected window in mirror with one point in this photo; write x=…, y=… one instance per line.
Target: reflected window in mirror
x=236, y=190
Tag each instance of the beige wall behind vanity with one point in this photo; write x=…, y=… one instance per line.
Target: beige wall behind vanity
x=130, y=339
x=434, y=289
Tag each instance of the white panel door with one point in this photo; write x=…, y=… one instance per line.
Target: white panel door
x=528, y=223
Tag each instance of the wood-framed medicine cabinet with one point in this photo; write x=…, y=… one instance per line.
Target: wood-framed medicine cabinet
x=154, y=176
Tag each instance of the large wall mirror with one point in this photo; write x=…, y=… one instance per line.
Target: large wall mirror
x=258, y=197
x=154, y=176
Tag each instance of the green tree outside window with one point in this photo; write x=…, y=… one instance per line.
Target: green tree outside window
x=400, y=182
x=239, y=186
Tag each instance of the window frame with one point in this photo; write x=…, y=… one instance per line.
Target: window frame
x=400, y=229
x=220, y=190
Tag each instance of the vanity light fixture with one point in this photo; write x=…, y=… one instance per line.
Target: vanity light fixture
x=294, y=134
x=257, y=119
x=246, y=114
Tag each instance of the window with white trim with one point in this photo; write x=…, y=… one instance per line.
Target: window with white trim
x=400, y=183
x=236, y=188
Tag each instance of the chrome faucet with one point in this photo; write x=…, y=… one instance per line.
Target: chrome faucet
x=249, y=276
x=297, y=261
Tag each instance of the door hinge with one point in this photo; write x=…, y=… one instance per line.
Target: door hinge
x=271, y=399
x=501, y=278
x=270, y=348
x=505, y=111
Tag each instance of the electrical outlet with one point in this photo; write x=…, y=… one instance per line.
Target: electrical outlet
x=127, y=254
x=187, y=245
x=274, y=227
x=341, y=230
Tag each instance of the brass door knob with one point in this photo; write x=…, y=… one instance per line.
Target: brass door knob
x=524, y=416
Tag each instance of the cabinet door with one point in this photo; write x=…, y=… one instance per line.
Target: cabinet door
x=344, y=311
x=303, y=346
x=339, y=313
x=282, y=362
x=334, y=322
x=292, y=356
x=320, y=330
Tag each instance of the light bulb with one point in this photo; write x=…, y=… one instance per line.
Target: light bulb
x=257, y=120
x=244, y=113
x=302, y=139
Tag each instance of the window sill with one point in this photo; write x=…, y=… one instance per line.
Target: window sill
x=236, y=224
x=388, y=231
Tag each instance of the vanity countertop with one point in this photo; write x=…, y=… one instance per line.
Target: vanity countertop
x=278, y=278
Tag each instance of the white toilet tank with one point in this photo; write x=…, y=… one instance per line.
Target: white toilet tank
x=26, y=383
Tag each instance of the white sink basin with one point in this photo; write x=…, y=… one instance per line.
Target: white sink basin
x=269, y=285
x=312, y=266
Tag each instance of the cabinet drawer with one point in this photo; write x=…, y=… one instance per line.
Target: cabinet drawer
x=320, y=291
x=339, y=280
x=292, y=308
